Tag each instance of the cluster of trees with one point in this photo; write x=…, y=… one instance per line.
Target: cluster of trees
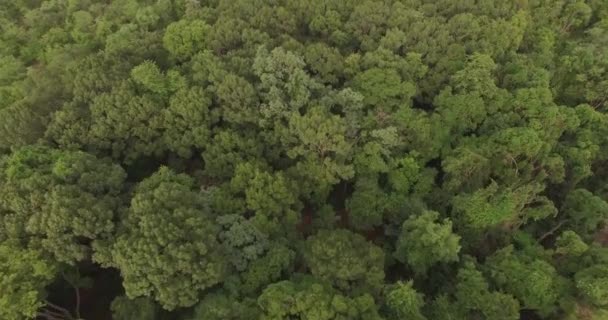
x=313, y=160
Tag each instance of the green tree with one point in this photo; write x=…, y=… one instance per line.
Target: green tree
x=424, y=242
x=306, y=298
x=228, y=148
x=149, y=76
x=591, y=282
x=346, y=260
x=24, y=276
x=167, y=246
x=368, y=204
x=185, y=38
x=221, y=306
x=271, y=196
x=59, y=201
x=494, y=206
x=124, y=308
x=126, y=124
x=383, y=88
x=404, y=302
x=585, y=211
x=570, y=243
x=277, y=262
x=243, y=241
x=239, y=100
x=534, y=282
x=186, y=122
x=317, y=140
x=472, y=297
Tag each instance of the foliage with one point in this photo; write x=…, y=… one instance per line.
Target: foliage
x=533, y=281
x=424, y=242
x=221, y=306
x=24, y=274
x=346, y=260
x=414, y=159
x=403, y=302
x=124, y=308
x=472, y=296
x=54, y=199
x=167, y=247
x=305, y=298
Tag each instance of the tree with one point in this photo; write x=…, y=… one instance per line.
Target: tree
x=228, y=148
x=149, y=76
x=346, y=260
x=243, y=241
x=167, y=246
x=404, y=302
x=318, y=139
x=222, y=306
x=305, y=298
x=239, y=100
x=59, y=201
x=186, y=122
x=24, y=276
x=126, y=124
x=534, y=282
x=570, y=243
x=185, y=38
x=278, y=261
x=201, y=153
x=424, y=242
x=271, y=196
x=284, y=84
x=493, y=206
x=472, y=297
x=594, y=208
x=21, y=125
x=383, y=88
x=368, y=204
x=592, y=284
x=325, y=61
x=124, y=308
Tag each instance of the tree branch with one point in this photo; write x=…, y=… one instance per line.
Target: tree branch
x=50, y=315
x=64, y=311
x=550, y=232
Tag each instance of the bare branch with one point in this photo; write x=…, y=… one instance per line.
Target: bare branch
x=550, y=232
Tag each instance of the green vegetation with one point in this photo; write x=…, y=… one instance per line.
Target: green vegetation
x=303, y=160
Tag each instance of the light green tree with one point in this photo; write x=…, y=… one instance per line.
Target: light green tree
x=307, y=298
x=24, y=276
x=404, y=302
x=424, y=241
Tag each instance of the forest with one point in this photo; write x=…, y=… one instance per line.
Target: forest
x=304, y=159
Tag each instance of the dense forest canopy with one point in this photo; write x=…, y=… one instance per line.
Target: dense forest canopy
x=303, y=160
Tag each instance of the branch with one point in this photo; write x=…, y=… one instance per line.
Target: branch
x=50, y=315
x=513, y=161
x=63, y=311
x=550, y=232
x=77, y=293
x=45, y=316
x=77, y=302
